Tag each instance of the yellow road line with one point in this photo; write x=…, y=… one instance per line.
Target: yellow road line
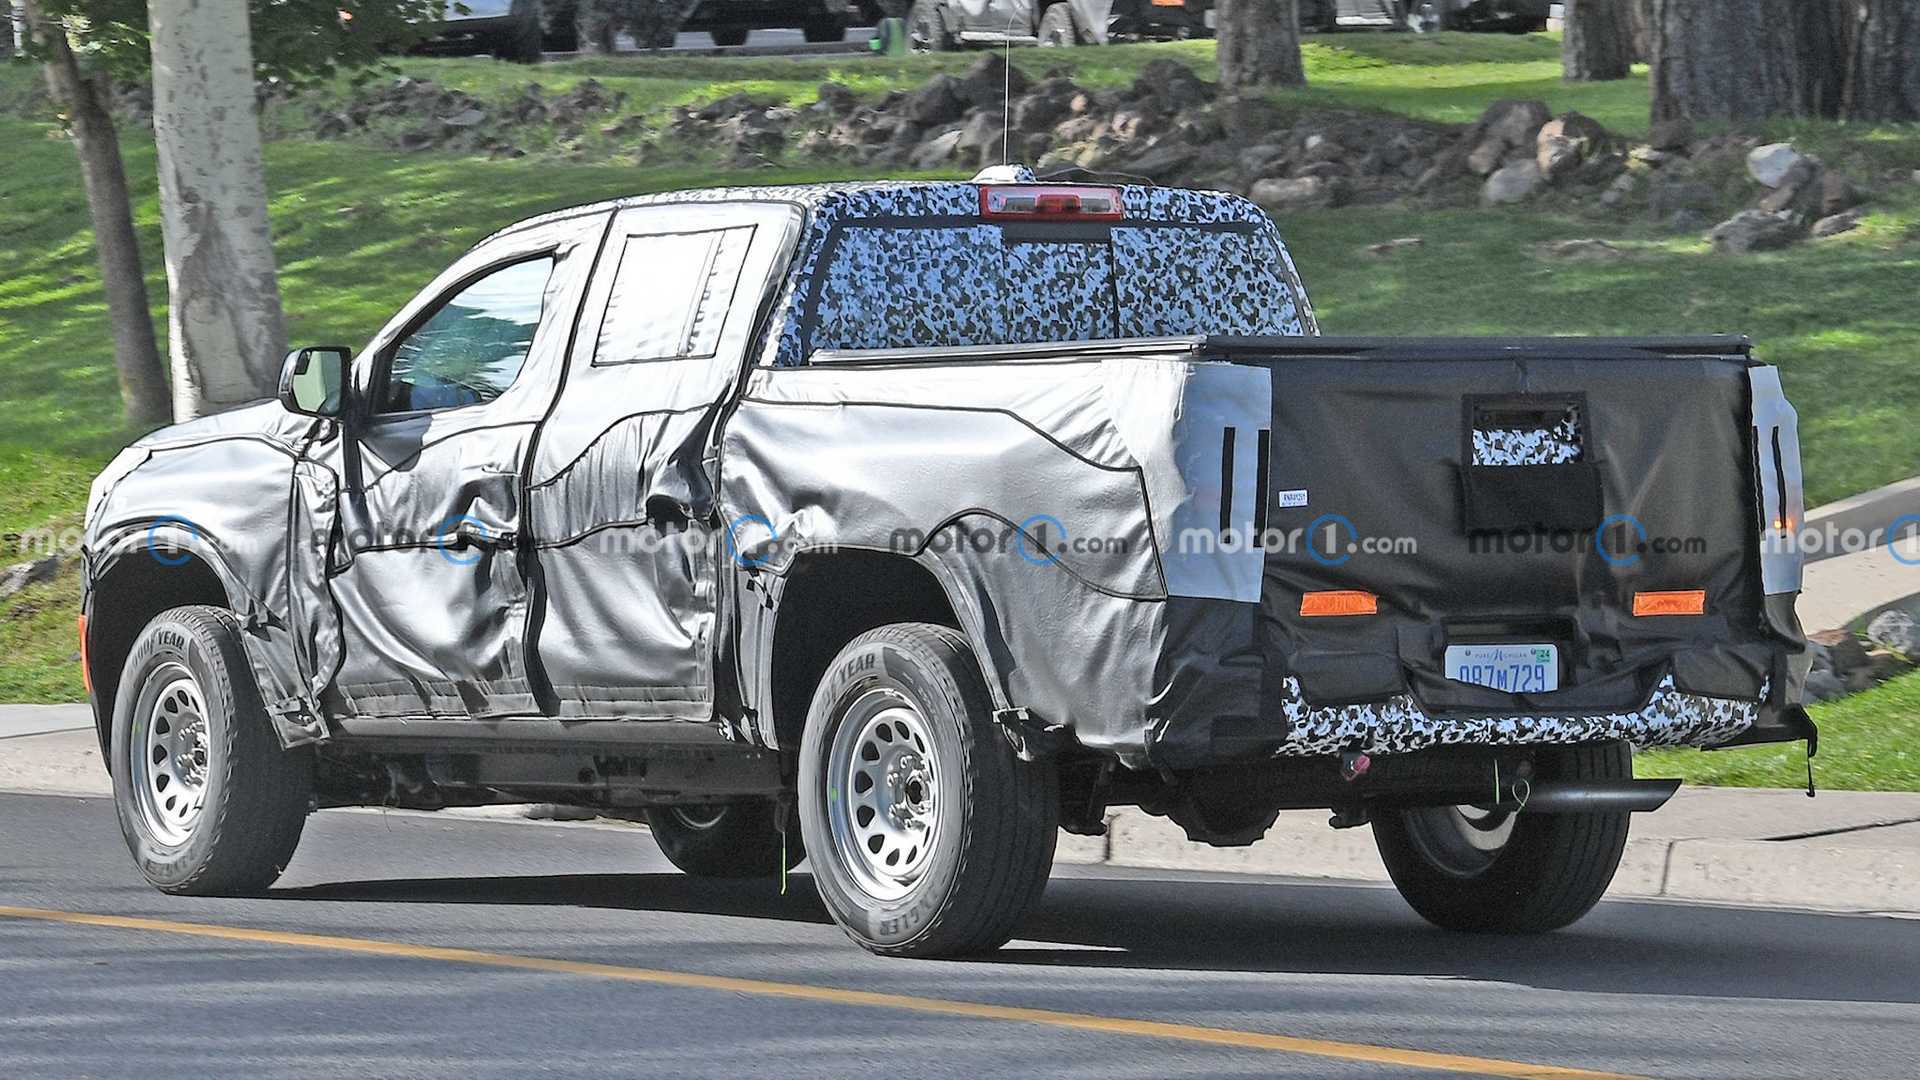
x=1154, y=1029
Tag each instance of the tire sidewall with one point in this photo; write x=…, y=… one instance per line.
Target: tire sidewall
x=861, y=668
x=165, y=641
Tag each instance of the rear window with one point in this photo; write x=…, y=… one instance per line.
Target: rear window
x=893, y=287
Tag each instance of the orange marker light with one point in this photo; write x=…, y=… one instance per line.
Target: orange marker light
x=86, y=670
x=1689, y=602
x=1338, y=602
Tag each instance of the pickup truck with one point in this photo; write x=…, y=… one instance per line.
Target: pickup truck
x=899, y=525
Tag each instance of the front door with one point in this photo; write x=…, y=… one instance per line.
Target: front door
x=428, y=569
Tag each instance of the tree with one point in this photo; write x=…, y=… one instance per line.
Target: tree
x=81, y=95
x=1883, y=62
x=225, y=332
x=1598, y=42
x=1746, y=59
x=1260, y=44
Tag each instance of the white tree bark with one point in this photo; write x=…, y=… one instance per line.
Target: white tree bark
x=226, y=333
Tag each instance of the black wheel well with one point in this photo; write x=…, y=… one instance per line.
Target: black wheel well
x=828, y=601
x=125, y=599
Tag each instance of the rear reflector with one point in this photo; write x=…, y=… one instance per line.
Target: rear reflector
x=1050, y=202
x=1691, y=602
x=1339, y=602
x=86, y=670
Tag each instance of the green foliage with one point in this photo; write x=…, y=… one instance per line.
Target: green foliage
x=295, y=42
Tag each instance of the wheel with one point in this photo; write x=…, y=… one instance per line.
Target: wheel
x=730, y=35
x=927, y=835
x=926, y=30
x=1056, y=27
x=208, y=801
x=523, y=43
x=725, y=840
x=822, y=27
x=1467, y=868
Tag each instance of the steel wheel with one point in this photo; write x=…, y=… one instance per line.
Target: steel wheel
x=168, y=755
x=1460, y=840
x=882, y=793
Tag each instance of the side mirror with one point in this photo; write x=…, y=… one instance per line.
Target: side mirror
x=313, y=381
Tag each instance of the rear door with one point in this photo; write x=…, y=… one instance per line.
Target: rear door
x=621, y=486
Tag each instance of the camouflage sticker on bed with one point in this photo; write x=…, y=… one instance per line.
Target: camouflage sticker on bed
x=1556, y=445
x=1670, y=718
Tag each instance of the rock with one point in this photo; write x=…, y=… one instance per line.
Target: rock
x=1669, y=194
x=1396, y=246
x=1586, y=250
x=1824, y=686
x=1321, y=148
x=1845, y=653
x=1566, y=142
x=1324, y=169
x=465, y=118
x=981, y=138
x=1835, y=224
x=1896, y=631
x=1685, y=220
x=20, y=575
x=1514, y=123
x=838, y=99
x=1172, y=86
x=936, y=151
x=1048, y=104
x=1299, y=193
x=1770, y=164
x=938, y=101
x=1263, y=160
x=1880, y=667
x=1512, y=183
x=1620, y=190
x=1837, y=193
x=989, y=83
x=1673, y=136
x=1485, y=159
x=1755, y=230
x=1797, y=190
x=1163, y=160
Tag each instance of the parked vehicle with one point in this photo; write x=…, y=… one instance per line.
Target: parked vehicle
x=899, y=524
x=939, y=25
x=508, y=29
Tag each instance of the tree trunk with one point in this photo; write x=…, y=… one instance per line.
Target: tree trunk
x=1744, y=59
x=82, y=97
x=226, y=332
x=1640, y=18
x=1883, y=61
x=1260, y=44
x=1598, y=43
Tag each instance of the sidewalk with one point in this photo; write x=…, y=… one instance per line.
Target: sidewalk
x=1844, y=851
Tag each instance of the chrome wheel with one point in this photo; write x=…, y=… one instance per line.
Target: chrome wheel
x=882, y=787
x=168, y=755
x=1461, y=840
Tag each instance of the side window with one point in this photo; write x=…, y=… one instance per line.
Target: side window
x=670, y=296
x=472, y=348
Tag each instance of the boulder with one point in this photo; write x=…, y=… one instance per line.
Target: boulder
x=1672, y=136
x=1319, y=147
x=837, y=99
x=1837, y=193
x=990, y=82
x=980, y=138
x=1798, y=190
x=1299, y=193
x=1512, y=122
x=1845, y=653
x=938, y=101
x=1824, y=686
x=936, y=151
x=1896, y=631
x=1566, y=142
x=1755, y=230
x=1584, y=250
x=1513, y=183
x=20, y=575
x=1668, y=194
x=1263, y=160
x=1165, y=159
x=1622, y=189
x=1835, y=224
x=465, y=118
x=1046, y=105
x=1770, y=164
x=1485, y=159
x=1172, y=85
x=1323, y=169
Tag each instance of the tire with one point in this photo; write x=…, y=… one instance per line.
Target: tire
x=1550, y=870
x=729, y=35
x=729, y=840
x=253, y=796
x=966, y=829
x=1057, y=29
x=926, y=29
x=823, y=28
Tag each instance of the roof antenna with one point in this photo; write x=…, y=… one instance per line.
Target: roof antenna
x=1006, y=96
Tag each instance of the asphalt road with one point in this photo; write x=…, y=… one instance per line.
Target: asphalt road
x=476, y=949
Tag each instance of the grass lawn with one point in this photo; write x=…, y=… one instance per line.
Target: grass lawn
x=358, y=229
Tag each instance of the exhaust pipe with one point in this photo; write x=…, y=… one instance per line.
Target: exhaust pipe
x=1595, y=796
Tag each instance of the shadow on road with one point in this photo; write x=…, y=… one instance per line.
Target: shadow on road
x=1288, y=927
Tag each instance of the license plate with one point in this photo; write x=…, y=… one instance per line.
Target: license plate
x=1516, y=669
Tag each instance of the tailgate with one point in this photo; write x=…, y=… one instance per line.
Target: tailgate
x=1592, y=496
